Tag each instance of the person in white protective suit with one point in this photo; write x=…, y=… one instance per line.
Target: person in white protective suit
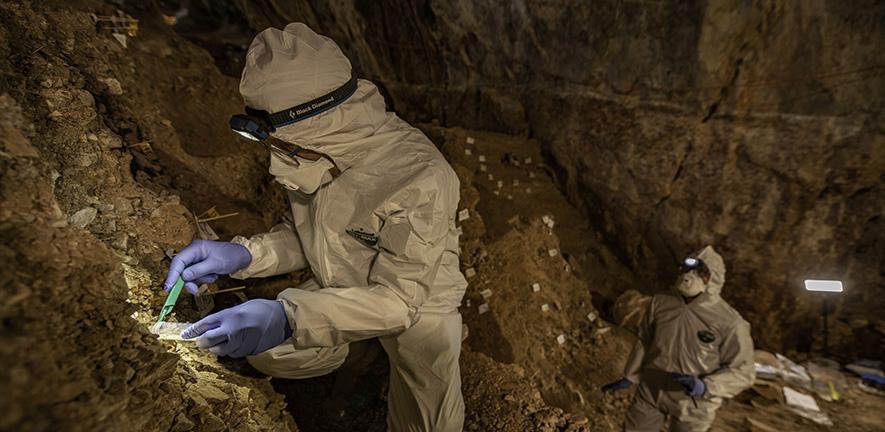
x=373, y=205
x=693, y=350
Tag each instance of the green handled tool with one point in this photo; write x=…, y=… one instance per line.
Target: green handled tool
x=171, y=299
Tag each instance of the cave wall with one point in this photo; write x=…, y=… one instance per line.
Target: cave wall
x=98, y=178
x=755, y=126
x=90, y=363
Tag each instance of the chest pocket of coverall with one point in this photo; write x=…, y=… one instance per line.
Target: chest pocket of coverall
x=708, y=341
x=363, y=236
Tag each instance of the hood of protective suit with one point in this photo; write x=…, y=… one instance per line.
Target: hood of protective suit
x=716, y=265
x=690, y=284
x=288, y=67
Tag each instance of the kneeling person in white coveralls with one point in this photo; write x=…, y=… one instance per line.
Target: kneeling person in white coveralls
x=373, y=205
x=693, y=351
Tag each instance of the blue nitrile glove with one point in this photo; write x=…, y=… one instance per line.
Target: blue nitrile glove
x=203, y=261
x=617, y=385
x=243, y=330
x=693, y=385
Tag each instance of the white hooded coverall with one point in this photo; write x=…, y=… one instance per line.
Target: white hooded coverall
x=705, y=338
x=380, y=238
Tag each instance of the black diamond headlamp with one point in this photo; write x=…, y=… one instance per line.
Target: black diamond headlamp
x=692, y=263
x=257, y=125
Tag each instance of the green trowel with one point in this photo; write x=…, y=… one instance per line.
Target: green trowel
x=171, y=299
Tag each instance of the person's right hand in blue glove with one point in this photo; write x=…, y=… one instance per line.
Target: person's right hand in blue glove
x=243, y=330
x=693, y=385
x=617, y=385
x=204, y=260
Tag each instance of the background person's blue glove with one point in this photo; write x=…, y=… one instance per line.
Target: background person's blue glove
x=203, y=261
x=693, y=385
x=617, y=385
x=243, y=330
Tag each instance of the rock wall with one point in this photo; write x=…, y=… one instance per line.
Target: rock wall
x=51, y=357
x=86, y=213
x=754, y=126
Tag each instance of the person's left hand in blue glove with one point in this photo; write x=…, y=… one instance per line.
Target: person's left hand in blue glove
x=243, y=330
x=693, y=385
x=203, y=261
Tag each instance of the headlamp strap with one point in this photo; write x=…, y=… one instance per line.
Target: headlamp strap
x=315, y=106
x=315, y=156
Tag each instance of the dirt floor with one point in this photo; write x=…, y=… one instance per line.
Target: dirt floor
x=108, y=155
x=859, y=411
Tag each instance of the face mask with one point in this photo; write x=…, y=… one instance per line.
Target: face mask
x=690, y=284
x=304, y=176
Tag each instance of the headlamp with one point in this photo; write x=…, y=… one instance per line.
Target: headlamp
x=693, y=263
x=257, y=125
x=253, y=126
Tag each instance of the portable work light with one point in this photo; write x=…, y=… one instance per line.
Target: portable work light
x=824, y=286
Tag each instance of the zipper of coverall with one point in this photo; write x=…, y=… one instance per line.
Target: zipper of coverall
x=335, y=172
x=321, y=243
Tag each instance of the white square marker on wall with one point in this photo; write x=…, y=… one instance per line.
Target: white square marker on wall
x=483, y=308
x=463, y=215
x=468, y=152
x=560, y=339
x=545, y=307
x=553, y=252
x=469, y=273
x=470, y=140
x=486, y=293
x=482, y=158
x=536, y=287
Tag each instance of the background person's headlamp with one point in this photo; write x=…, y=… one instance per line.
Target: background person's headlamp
x=257, y=125
x=692, y=263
